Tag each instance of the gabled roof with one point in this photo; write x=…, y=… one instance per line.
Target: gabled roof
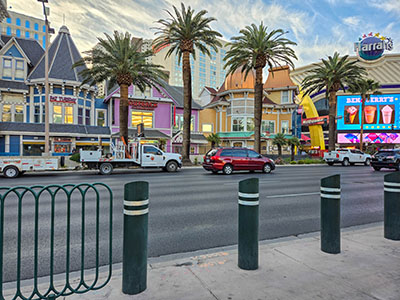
x=279, y=78
x=266, y=100
x=32, y=49
x=62, y=55
x=176, y=93
x=211, y=90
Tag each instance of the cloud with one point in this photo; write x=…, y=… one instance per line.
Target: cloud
x=352, y=21
x=392, y=6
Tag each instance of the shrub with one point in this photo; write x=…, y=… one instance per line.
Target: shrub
x=196, y=161
x=301, y=162
x=287, y=160
x=279, y=161
x=75, y=157
x=293, y=162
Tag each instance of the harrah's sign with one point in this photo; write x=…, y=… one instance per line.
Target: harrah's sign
x=143, y=104
x=63, y=99
x=371, y=46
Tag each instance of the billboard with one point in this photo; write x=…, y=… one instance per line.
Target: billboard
x=372, y=138
x=381, y=112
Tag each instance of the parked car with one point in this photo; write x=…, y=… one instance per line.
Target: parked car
x=386, y=159
x=347, y=157
x=228, y=160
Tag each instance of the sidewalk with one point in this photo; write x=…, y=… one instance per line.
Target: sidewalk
x=290, y=268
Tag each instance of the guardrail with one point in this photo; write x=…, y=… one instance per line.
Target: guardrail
x=71, y=192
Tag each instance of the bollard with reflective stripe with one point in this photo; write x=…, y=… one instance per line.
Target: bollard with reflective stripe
x=248, y=224
x=330, y=214
x=134, y=263
x=392, y=206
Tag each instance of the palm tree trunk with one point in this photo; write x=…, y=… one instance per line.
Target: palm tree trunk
x=187, y=104
x=279, y=150
x=362, y=121
x=123, y=112
x=292, y=156
x=258, y=88
x=332, y=123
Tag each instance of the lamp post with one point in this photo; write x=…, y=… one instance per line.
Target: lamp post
x=46, y=12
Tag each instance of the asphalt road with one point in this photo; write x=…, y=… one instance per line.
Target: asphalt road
x=189, y=210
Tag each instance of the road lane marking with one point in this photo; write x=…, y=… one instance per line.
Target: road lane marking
x=293, y=195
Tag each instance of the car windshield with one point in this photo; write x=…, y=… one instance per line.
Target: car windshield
x=212, y=152
x=385, y=153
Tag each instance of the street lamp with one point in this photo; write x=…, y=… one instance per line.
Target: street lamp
x=46, y=12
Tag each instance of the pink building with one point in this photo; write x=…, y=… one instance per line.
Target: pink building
x=161, y=112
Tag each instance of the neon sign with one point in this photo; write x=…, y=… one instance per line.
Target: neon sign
x=63, y=99
x=371, y=46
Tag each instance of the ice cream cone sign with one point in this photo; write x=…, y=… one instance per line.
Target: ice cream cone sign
x=352, y=111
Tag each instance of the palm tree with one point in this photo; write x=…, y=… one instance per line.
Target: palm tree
x=293, y=142
x=118, y=59
x=280, y=141
x=214, y=139
x=184, y=32
x=332, y=75
x=364, y=87
x=254, y=49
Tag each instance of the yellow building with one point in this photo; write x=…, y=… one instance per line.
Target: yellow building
x=230, y=110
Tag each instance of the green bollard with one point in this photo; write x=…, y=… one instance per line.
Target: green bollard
x=134, y=261
x=248, y=224
x=330, y=214
x=392, y=206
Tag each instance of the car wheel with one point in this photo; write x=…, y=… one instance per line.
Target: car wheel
x=377, y=168
x=11, y=172
x=267, y=168
x=106, y=169
x=330, y=163
x=227, y=169
x=172, y=166
x=345, y=162
x=367, y=162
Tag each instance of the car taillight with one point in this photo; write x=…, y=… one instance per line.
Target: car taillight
x=215, y=159
x=337, y=155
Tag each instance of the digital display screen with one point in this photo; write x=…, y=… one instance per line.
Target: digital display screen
x=381, y=112
x=372, y=138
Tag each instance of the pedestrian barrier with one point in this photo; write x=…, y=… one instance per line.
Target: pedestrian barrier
x=392, y=206
x=70, y=193
x=136, y=215
x=248, y=224
x=330, y=214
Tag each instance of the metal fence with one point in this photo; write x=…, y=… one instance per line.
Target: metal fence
x=73, y=196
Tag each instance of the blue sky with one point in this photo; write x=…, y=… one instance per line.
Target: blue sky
x=319, y=27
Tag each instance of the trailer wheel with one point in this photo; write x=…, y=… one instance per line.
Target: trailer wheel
x=106, y=169
x=11, y=172
x=172, y=166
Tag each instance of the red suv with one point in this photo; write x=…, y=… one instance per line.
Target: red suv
x=228, y=160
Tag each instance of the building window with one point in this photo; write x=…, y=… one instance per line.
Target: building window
x=87, y=117
x=250, y=124
x=19, y=69
x=68, y=116
x=207, y=128
x=44, y=113
x=18, y=33
x=36, y=36
x=44, y=41
x=44, y=28
x=285, y=127
x=9, y=20
x=18, y=22
x=191, y=150
x=268, y=127
x=57, y=114
x=27, y=24
x=6, y=113
x=27, y=34
x=142, y=117
x=37, y=114
x=9, y=31
x=36, y=26
x=285, y=97
x=101, y=118
x=19, y=113
x=80, y=115
x=237, y=124
x=7, y=68
x=179, y=122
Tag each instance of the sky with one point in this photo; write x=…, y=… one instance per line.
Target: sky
x=319, y=27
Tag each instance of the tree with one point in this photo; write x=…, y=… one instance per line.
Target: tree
x=280, y=141
x=214, y=139
x=161, y=143
x=184, y=32
x=118, y=59
x=364, y=87
x=253, y=50
x=293, y=142
x=332, y=75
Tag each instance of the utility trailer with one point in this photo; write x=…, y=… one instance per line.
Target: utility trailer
x=11, y=166
x=135, y=153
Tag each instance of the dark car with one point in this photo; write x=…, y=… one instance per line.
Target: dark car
x=228, y=160
x=386, y=159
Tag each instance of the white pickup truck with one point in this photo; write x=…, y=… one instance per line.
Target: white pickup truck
x=135, y=154
x=347, y=157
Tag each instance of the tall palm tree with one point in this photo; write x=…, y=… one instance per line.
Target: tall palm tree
x=184, y=32
x=255, y=48
x=118, y=59
x=293, y=142
x=332, y=75
x=364, y=87
x=280, y=141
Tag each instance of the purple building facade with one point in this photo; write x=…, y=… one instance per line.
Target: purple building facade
x=161, y=112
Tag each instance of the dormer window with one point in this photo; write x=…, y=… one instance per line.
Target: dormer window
x=13, y=69
x=7, y=68
x=19, y=70
x=285, y=97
